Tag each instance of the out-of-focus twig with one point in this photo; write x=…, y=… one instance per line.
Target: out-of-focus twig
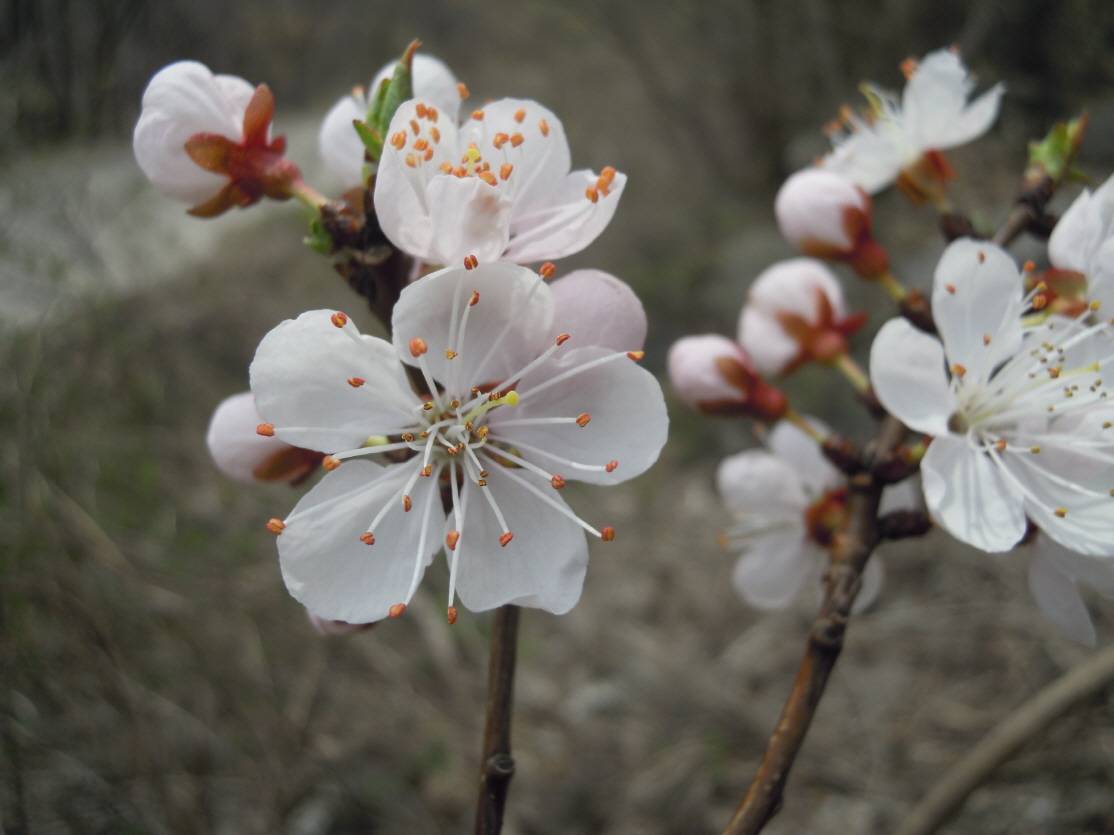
x=1027, y=721
x=496, y=763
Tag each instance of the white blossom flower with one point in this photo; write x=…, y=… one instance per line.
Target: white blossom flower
x=497, y=187
x=1055, y=574
x=1019, y=414
x=794, y=313
x=517, y=410
x=1082, y=248
x=241, y=453
x=825, y=215
x=206, y=140
x=338, y=143
x=906, y=137
x=788, y=502
x=715, y=375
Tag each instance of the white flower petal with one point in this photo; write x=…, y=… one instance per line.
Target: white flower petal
x=542, y=567
x=1100, y=279
x=814, y=207
x=757, y=483
x=970, y=497
x=934, y=103
x=907, y=373
x=1058, y=597
x=565, y=221
x=628, y=422
x=596, y=308
x=237, y=449
x=766, y=342
x=512, y=299
x=803, y=455
x=300, y=381
x=326, y=566
x=870, y=158
x=467, y=216
x=338, y=143
x=977, y=304
x=541, y=159
x=431, y=80
x=181, y=100
x=1076, y=235
x=774, y=570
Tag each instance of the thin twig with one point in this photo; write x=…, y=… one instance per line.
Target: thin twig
x=496, y=762
x=1027, y=721
x=850, y=553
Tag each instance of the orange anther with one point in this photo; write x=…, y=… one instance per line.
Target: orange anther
x=339, y=319
x=488, y=178
x=1040, y=302
x=607, y=176
x=958, y=369
x=592, y=193
x=909, y=68
x=450, y=354
x=506, y=538
x=543, y=126
x=419, y=108
x=500, y=139
x=426, y=471
x=431, y=113
x=267, y=430
x=462, y=90
x=583, y=419
x=397, y=610
x=1029, y=266
x=276, y=526
x=411, y=161
x=562, y=338
x=446, y=167
x=636, y=355
x=950, y=288
x=1061, y=512
x=557, y=481
x=414, y=126
x=471, y=262
x=611, y=465
x=451, y=539
x=517, y=139
x=474, y=299
x=478, y=115
x=505, y=171
x=547, y=270
x=460, y=171
x=986, y=339
x=982, y=257
x=330, y=463
x=1054, y=372
x=450, y=615
x=417, y=347
x=435, y=133
x=356, y=382
x=408, y=437
x=519, y=115
x=1000, y=444
x=608, y=534
x=398, y=140
x=367, y=538
x=428, y=155
x=407, y=504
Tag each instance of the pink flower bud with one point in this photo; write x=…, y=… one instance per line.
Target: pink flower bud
x=827, y=216
x=795, y=312
x=597, y=308
x=243, y=453
x=713, y=374
x=206, y=140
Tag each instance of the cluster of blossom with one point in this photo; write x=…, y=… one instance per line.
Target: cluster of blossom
x=499, y=383
x=1009, y=392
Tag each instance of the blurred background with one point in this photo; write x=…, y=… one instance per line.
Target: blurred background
x=154, y=675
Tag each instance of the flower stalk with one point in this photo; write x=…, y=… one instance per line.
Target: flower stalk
x=496, y=762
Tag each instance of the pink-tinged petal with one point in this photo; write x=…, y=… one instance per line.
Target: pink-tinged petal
x=814, y=207
x=338, y=143
x=542, y=567
x=330, y=570
x=791, y=445
x=757, y=483
x=628, y=422
x=596, y=308
x=431, y=80
x=237, y=448
x=182, y=100
x=567, y=220
x=507, y=327
x=696, y=369
x=402, y=204
x=969, y=496
x=774, y=570
x=300, y=378
x=794, y=286
x=770, y=348
x=977, y=305
x=909, y=379
x=1057, y=596
x=529, y=137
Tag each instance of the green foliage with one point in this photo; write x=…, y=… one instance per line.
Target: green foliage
x=1054, y=156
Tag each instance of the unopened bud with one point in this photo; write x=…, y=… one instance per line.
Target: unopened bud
x=715, y=375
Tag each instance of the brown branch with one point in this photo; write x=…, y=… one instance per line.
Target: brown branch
x=496, y=762
x=1027, y=721
x=850, y=553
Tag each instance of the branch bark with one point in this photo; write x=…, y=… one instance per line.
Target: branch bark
x=850, y=553
x=1027, y=721
x=496, y=762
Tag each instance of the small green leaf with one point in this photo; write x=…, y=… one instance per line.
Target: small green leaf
x=318, y=239
x=1054, y=156
x=372, y=139
x=399, y=89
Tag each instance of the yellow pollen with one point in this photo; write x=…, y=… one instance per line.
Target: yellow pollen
x=1095, y=305
x=427, y=406
x=450, y=354
x=411, y=161
x=1035, y=450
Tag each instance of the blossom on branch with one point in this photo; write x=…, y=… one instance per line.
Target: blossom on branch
x=788, y=503
x=902, y=140
x=340, y=146
x=1020, y=415
x=1081, y=251
x=1055, y=574
x=715, y=375
x=244, y=448
x=497, y=187
x=795, y=313
x=206, y=140
x=514, y=409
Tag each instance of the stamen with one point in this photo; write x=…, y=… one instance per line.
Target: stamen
x=583, y=419
x=418, y=347
x=462, y=90
x=330, y=463
x=368, y=538
x=397, y=610
x=267, y=430
x=451, y=539
x=519, y=115
x=356, y=382
x=608, y=534
x=556, y=504
x=339, y=319
x=547, y=270
x=276, y=526
x=558, y=482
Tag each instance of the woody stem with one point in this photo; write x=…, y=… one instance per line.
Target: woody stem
x=496, y=762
